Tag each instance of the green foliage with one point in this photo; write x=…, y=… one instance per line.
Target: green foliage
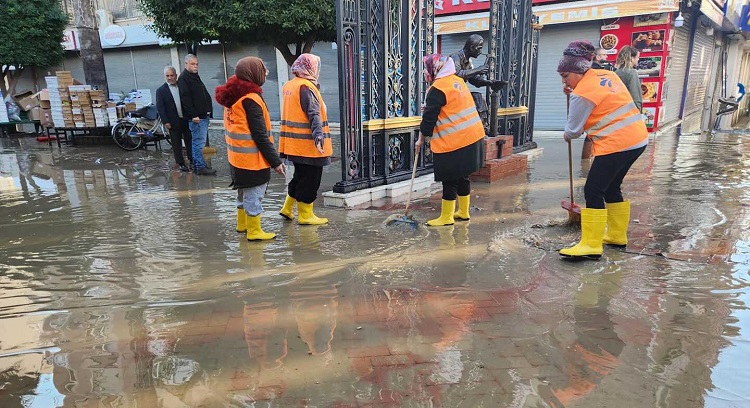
x=299, y=22
x=31, y=32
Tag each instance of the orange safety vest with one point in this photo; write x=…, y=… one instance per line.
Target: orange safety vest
x=296, y=134
x=615, y=124
x=241, y=149
x=458, y=124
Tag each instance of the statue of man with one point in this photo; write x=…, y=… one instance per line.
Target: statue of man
x=465, y=69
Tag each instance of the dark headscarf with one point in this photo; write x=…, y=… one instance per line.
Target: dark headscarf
x=577, y=57
x=251, y=69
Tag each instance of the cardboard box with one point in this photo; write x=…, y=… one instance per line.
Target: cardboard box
x=46, y=118
x=35, y=113
x=26, y=100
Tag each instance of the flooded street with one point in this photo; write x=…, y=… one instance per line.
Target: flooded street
x=124, y=284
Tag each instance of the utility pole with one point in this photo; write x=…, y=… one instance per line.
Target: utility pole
x=84, y=19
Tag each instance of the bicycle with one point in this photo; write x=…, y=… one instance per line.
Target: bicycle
x=138, y=128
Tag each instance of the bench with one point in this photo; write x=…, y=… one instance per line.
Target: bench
x=5, y=127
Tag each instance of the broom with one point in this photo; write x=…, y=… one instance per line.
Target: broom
x=406, y=220
x=574, y=210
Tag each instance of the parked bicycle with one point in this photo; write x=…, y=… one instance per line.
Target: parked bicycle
x=140, y=127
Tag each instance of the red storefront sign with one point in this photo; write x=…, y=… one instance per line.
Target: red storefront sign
x=465, y=6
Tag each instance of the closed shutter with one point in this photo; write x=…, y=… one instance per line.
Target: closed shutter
x=268, y=54
x=211, y=71
x=550, y=105
x=675, y=82
x=698, y=80
x=149, y=65
x=119, y=67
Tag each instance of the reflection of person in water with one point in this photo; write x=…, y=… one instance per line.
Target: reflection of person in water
x=597, y=347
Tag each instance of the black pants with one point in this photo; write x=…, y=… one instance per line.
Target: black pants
x=605, y=177
x=305, y=182
x=177, y=134
x=453, y=188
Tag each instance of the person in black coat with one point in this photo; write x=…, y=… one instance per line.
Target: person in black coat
x=170, y=110
x=197, y=107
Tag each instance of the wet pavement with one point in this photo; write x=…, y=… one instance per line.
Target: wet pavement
x=124, y=284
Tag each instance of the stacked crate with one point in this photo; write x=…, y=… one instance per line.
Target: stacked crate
x=62, y=110
x=83, y=113
x=99, y=106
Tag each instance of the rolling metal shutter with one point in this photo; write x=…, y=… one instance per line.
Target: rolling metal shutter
x=698, y=80
x=119, y=66
x=74, y=64
x=149, y=65
x=675, y=82
x=550, y=106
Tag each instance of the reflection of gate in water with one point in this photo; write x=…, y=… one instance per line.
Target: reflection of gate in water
x=380, y=48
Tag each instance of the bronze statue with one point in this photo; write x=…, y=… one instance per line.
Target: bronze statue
x=476, y=76
x=466, y=70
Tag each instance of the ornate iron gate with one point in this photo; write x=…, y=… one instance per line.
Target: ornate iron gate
x=381, y=89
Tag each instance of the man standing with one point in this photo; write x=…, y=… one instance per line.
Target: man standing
x=170, y=110
x=600, y=60
x=197, y=108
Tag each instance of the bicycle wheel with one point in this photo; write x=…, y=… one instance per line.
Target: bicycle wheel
x=126, y=135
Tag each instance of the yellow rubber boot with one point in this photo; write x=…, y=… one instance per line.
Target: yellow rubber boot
x=446, y=214
x=618, y=218
x=241, y=224
x=254, y=231
x=287, y=211
x=593, y=223
x=463, y=209
x=306, y=216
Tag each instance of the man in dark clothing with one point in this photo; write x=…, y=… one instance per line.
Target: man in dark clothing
x=170, y=110
x=197, y=108
x=600, y=60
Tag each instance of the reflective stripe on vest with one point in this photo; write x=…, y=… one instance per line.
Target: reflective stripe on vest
x=296, y=133
x=458, y=123
x=615, y=124
x=242, y=151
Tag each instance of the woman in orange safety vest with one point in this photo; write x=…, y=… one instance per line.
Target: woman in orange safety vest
x=601, y=105
x=250, y=148
x=305, y=139
x=451, y=120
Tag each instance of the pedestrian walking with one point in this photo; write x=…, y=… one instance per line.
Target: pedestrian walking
x=601, y=105
x=627, y=60
x=305, y=139
x=170, y=110
x=250, y=147
x=451, y=120
x=197, y=108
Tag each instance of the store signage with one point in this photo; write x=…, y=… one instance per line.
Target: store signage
x=70, y=40
x=114, y=35
x=466, y=6
x=570, y=13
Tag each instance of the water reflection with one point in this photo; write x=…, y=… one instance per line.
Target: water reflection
x=124, y=283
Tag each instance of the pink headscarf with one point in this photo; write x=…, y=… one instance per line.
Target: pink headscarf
x=437, y=66
x=307, y=66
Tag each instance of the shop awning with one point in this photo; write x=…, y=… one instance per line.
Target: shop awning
x=562, y=13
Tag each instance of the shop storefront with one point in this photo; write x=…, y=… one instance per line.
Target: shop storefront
x=609, y=23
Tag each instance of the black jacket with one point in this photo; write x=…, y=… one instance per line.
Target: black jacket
x=166, y=106
x=605, y=65
x=196, y=102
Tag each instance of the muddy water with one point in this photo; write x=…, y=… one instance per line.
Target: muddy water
x=123, y=283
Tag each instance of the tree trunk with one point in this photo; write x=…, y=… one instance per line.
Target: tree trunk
x=91, y=46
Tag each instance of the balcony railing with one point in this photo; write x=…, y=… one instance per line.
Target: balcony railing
x=123, y=9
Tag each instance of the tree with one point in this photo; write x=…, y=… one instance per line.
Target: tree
x=91, y=46
x=31, y=32
x=300, y=23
